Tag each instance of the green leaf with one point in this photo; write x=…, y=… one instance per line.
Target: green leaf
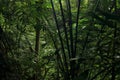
x=1, y=19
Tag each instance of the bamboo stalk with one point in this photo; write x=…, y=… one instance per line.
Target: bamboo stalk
x=65, y=29
x=77, y=19
x=59, y=59
x=113, y=74
x=70, y=25
x=61, y=41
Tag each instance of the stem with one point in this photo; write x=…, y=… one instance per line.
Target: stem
x=114, y=46
x=70, y=25
x=59, y=59
x=37, y=41
x=65, y=29
x=76, y=35
x=61, y=41
x=72, y=63
x=37, y=51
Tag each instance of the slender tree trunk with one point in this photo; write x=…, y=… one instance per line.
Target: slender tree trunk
x=65, y=28
x=62, y=44
x=113, y=74
x=37, y=41
x=114, y=52
x=37, y=51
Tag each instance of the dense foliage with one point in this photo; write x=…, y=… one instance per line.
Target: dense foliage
x=59, y=39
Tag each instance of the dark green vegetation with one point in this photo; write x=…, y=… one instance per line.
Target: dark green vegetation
x=59, y=40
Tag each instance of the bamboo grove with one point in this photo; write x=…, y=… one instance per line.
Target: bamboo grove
x=59, y=39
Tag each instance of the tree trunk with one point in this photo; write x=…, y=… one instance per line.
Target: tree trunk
x=37, y=41
x=37, y=51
